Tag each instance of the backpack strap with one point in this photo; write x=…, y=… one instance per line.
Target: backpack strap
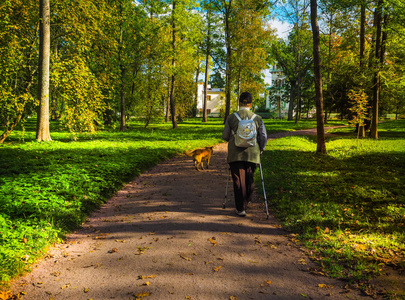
x=237, y=116
x=254, y=116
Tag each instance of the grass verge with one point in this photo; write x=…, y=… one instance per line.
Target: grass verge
x=348, y=206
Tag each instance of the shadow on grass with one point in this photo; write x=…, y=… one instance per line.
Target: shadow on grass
x=360, y=193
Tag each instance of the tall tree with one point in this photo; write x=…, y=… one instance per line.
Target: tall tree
x=321, y=147
x=207, y=61
x=173, y=75
x=377, y=67
x=43, y=133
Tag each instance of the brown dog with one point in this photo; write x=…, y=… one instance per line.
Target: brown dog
x=199, y=155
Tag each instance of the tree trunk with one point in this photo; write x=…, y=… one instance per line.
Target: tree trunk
x=168, y=101
x=42, y=132
x=207, y=56
x=376, y=75
x=321, y=148
x=228, y=60
x=196, y=88
x=292, y=97
x=173, y=79
x=204, y=118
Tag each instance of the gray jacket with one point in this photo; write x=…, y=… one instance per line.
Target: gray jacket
x=250, y=154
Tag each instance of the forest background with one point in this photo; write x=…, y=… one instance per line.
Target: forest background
x=113, y=60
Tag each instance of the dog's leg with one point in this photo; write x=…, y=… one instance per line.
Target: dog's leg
x=208, y=162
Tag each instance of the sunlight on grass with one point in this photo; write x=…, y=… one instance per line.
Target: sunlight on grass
x=348, y=206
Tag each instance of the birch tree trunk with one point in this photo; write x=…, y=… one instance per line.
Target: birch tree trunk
x=42, y=132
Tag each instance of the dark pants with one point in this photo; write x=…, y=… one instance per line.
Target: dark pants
x=243, y=182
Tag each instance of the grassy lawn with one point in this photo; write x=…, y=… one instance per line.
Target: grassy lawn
x=47, y=189
x=348, y=207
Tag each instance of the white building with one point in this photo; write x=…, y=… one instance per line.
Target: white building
x=275, y=91
x=215, y=100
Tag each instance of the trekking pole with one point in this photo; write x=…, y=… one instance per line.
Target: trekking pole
x=226, y=190
x=264, y=192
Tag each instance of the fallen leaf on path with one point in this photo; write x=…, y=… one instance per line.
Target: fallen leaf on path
x=113, y=250
x=209, y=262
x=65, y=286
x=145, y=277
x=323, y=286
x=302, y=261
x=216, y=269
x=233, y=298
x=185, y=257
x=141, y=295
x=6, y=295
x=86, y=290
x=213, y=241
x=141, y=250
x=258, y=240
x=121, y=241
x=266, y=282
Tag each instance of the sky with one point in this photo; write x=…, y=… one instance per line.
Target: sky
x=282, y=32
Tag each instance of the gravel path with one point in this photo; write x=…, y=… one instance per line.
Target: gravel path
x=165, y=235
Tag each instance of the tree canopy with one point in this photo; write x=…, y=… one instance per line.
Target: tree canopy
x=112, y=60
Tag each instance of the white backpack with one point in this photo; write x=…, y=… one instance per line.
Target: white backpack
x=246, y=134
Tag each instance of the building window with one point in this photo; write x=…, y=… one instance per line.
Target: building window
x=208, y=98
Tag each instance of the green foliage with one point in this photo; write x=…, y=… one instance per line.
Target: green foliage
x=47, y=189
x=348, y=207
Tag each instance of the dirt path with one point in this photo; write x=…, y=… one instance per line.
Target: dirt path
x=165, y=235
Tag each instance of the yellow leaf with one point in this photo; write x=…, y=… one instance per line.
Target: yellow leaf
x=216, y=269
x=213, y=241
x=86, y=290
x=141, y=295
x=6, y=295
x=185, y=257
x=233, y=298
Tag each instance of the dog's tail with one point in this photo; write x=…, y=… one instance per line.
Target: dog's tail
x=190, y=153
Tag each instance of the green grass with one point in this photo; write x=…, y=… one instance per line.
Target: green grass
x=47, y=189
x=348, y=206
